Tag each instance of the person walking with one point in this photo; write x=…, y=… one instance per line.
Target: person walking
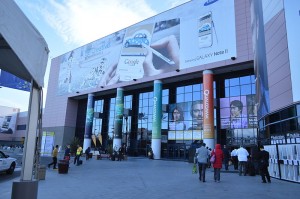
x=226, y=157
x=87, y=153
x=54, y=157
x=202, y=154
x=78, y=154
x=263, y=157
x=242, y=155
x=234, y=159
x=217, y=165
x=67, y=154
x=255, y=158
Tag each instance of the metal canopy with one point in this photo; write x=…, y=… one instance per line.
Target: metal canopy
x=23, y=50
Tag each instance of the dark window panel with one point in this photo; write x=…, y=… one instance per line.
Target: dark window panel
x=288, y=113
x=21, y=127
x=275, y=117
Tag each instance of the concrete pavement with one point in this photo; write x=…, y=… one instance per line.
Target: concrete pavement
x=144, y=178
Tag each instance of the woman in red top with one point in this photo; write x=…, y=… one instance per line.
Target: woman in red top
x=217, y=165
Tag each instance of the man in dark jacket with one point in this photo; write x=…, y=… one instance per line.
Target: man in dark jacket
x=264, y=164
x=226, y=157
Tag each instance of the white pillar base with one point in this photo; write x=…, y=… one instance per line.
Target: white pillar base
x=156, y=148
x=25, y=189
x=117, y=143
x=86, y=143
x=210, y=143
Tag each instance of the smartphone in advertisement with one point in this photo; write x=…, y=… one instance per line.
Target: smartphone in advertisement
x=205, y=33
x=133, y=53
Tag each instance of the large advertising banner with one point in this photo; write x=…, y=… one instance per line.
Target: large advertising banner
x=238, y=112
x=157, y=110
x=8, y=120
x=207, y=33
x=89, y=117
x=10, y=81
x=91, y=66
x=119, y=114
x=208, y=105
x=195, y=33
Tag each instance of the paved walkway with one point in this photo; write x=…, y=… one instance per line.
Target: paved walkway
x=150, y=179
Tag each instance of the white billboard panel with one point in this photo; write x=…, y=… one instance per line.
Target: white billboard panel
x=196, y=33
x=8, y=119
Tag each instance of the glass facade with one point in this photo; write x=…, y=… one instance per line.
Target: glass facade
x=281, y=127
x=137, y=122
x=238, y=110
x=97, y=123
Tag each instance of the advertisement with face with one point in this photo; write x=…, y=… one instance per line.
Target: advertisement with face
x=176, y=116
x=234, y=113
x=186, y=121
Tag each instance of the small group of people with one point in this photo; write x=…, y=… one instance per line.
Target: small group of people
x=239, y=157
x=67, y=155
x=256, y=163
x=203, y=155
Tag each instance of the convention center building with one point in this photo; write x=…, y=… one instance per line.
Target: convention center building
x=219, y=71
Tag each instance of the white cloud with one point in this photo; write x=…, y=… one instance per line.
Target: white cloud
x=14, y=98
x=81, y=22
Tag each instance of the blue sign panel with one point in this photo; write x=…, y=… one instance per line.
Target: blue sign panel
x=11, y=81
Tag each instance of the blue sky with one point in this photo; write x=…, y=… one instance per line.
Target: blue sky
x=69, y=24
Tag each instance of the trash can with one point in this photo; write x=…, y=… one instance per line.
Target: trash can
x=63, y=166
x=99, y=157
x=42, y=172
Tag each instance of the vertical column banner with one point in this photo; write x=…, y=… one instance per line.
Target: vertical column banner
x=157, y=113
x=208, y=108
x=47, y=143
x=88, y=121
x=118, y=118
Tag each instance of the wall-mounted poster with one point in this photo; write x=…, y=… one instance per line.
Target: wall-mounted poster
x=238, y=112
x=47, y=144
x=185, y=121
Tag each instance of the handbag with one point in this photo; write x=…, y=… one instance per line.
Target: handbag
x=195, y=170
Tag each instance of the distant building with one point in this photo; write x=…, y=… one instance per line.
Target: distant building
x=12, y=125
